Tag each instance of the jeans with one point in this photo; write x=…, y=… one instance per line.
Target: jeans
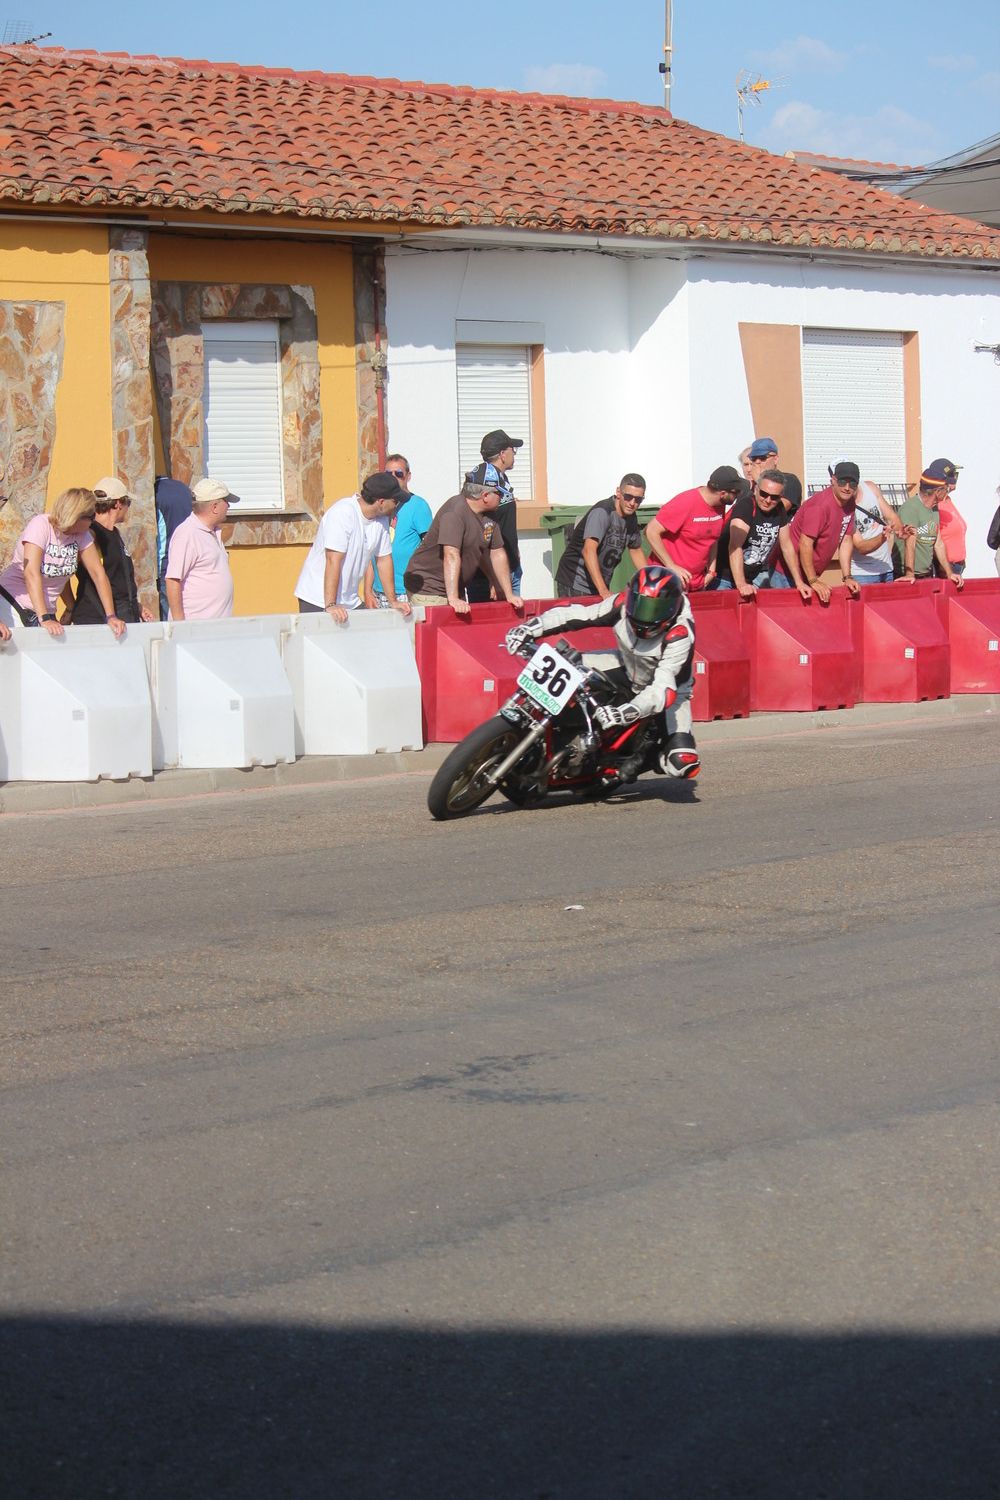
x=864, y=578
x=760, y=580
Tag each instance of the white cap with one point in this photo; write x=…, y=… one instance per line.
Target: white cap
x=111, y=489
x=205, y=490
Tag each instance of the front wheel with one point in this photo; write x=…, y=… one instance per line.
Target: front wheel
x=461, y=784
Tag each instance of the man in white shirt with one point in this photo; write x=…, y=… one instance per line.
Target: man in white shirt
x=353, y=533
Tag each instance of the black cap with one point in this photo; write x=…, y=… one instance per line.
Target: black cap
x=495, y=442
x=846, y=470
x=725, y=478
x=382, y=486
x=941, y=471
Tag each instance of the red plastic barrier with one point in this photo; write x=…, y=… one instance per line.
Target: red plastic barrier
x=802, y=654
x=465, y=670
x=721, y=659
x=972, y=620
x=902, y=641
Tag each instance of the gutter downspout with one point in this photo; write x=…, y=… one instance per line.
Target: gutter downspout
x=379, y=362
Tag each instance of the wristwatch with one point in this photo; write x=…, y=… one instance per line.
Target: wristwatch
x=46, y=617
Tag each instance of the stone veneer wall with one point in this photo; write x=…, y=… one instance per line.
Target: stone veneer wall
x=370, y=361
x=131, y=395
x=32, y=338
x=179, y=308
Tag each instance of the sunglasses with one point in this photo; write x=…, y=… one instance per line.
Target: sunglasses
x=633, y=499
x=397, y=473
x=847, y=484
x=769, y=494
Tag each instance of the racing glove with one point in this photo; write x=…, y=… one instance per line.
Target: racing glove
x=615, y=717
x=519, y=635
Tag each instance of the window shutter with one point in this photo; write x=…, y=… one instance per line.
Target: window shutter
x=494, y=390
x=243, y=411
x=852, y=395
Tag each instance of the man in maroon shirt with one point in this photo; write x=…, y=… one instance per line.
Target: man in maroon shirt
x=821, y=530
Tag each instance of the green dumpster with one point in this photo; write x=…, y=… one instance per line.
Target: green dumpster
x=559, y=524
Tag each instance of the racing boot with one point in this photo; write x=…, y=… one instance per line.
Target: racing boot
x=679, y=757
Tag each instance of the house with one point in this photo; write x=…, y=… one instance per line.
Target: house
x=274, y=276
x=964, y=183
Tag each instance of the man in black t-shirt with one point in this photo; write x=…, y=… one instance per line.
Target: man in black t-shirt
x=598, y=541
x=756, y=528
x=112, y=506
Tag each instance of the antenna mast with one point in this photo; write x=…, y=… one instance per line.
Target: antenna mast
x=749, y=87
x=667, y=65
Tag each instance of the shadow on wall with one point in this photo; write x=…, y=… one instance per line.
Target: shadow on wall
x=168, y=1410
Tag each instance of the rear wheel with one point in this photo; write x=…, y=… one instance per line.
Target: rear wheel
x=461, y=784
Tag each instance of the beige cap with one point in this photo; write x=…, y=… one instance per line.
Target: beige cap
x=205, y=490
x=111, y=489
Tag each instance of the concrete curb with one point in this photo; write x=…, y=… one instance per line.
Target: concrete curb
x=328, y=770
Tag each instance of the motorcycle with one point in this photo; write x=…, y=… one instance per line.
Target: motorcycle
x=545, y=740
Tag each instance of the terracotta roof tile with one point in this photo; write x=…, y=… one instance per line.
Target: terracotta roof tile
x=113, y=130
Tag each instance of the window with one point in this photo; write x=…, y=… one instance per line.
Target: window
x=494, y=390
x=243, y=411
x=853, y=403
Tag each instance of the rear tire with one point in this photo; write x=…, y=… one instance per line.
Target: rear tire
x=460, y=784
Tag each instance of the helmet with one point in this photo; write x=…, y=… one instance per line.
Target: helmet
x=653, y=601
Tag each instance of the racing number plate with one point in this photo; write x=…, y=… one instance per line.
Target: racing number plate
x=550, y=679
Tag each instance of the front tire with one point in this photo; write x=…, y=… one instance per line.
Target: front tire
x=460, y=784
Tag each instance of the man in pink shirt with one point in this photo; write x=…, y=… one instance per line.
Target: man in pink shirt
x=684, y=533
x=199, y=581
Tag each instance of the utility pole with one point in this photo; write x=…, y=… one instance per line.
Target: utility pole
x=667, y=65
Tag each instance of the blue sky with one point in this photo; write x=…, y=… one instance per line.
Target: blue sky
x=884, y=80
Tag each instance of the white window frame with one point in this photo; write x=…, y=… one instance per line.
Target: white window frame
x=479, y=412
x=860, y=376
x=239, y=459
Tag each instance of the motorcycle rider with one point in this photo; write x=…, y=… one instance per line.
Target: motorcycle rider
x=654, y=632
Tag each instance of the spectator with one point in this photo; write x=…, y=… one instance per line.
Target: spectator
x=45, y=560
x=173, y=505
x=199, y=580
x=408, y=527
x=112, y=508
x=690, y=525
x=757, y=524
x=464, y=539
x=915, y=554
x=993, y=534
x=763, y=454
x=952, y=523
x=820, y=530
x=744, y=463
x=599, y=540
x=4, y=627
x=353, y=533
x=498, y=451
x=875, y=526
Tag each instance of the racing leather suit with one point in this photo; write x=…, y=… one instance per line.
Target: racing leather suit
x=658, y=667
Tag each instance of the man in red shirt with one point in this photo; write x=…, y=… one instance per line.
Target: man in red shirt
x=821, y=530
x=684, y=533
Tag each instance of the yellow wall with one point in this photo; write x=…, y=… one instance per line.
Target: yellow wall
x=265, y=576
x=68, y=263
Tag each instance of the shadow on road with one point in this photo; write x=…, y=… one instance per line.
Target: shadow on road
x=169, y=1410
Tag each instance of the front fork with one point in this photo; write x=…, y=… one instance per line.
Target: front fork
x=510, y=761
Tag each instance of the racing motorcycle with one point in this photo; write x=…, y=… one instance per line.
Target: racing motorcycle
x=545, y=740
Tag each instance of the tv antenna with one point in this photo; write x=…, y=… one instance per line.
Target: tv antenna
x=667, y=65
x=749, y=87
x=17, y=34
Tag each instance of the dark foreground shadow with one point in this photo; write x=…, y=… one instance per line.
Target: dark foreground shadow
x=155, y=1410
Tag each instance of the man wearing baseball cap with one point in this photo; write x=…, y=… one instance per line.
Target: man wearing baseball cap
x=916, y=556
x=110, y=511
x=684, y=533
x=353, y=533
x=199, y=580
x=499, y=452
x=821, y=531
x=951, y=523
x=763, y=454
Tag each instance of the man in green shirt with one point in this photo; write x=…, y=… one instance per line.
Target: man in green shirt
x=914, y=557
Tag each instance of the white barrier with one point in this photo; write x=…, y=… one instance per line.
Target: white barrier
x=356, y=686
x=220, y=694
x=75, y=707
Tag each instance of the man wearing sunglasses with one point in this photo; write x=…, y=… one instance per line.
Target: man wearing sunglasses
x=111, y=510
x=599, y=540
x=821, y=530
x=408, y=526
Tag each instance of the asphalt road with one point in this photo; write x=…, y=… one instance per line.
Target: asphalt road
x=343, y=1160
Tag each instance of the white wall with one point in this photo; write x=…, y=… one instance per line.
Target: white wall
x=949, y=310
x=644, y=369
